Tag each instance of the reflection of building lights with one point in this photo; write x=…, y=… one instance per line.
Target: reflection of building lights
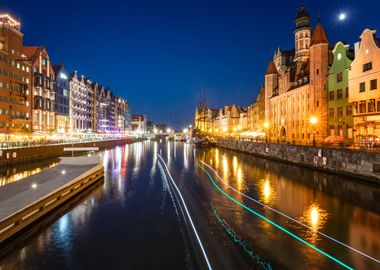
x=234, y=163
x=225, y=167
x=314, y=216
x=266, y=190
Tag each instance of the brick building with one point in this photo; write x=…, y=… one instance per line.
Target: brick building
x=15, y=80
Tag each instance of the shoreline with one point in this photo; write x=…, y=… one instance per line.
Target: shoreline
x=319, y=159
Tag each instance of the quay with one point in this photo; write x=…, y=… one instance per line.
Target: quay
x=29, y=153
x=24, y=202
x=364, y=165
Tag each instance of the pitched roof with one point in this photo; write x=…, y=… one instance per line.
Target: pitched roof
x=319, y=35
x=271, y=68
x=30, y=51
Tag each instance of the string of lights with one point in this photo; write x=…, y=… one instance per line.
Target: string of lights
x=237, y=239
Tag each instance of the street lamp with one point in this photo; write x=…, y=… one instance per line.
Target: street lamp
x=266, y=126
x=313, y=122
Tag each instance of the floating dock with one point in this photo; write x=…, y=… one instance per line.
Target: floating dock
x=28, y=200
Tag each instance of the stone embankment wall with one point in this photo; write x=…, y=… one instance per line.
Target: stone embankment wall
x=17, y=155
x=344, y=161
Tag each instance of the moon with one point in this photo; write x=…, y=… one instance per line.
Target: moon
x=342, y=16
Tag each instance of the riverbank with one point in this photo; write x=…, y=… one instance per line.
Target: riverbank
x=18, y=155
x=353, y=163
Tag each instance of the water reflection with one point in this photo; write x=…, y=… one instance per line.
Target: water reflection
x=323, y=202
x=18, y=172
x=315, y=217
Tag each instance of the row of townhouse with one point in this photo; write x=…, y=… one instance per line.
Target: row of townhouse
x=311, y=92
x=36, y=96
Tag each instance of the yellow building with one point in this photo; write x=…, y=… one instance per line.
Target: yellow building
x=227, y=120
x=364, y=92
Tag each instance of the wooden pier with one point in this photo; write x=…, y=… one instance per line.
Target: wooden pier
x=28, y=200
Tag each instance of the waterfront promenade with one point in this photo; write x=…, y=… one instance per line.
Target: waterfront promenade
x=23, y=202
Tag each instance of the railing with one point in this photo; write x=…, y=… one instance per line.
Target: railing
x=14, y=145
x=19, y=220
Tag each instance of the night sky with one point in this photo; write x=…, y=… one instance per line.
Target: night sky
x=161, y=55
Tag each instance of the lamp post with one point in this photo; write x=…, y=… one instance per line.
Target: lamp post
x=266, y=126
x=313, y=122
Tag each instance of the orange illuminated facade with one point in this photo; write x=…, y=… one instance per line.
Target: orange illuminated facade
x=15, y=80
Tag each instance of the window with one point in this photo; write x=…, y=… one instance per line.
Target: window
x=367, y=66
x=371, y=106
x=373, y=84
x=340, y=112
x=317, y=71
x=44, y=61
x=362, y=87
x=339, y=77
x=346, y=92
x=339, y=94
x=331, y=95
x=317, y=103
x=348, y=110
x=362, y=108
x=331, y=112
x=378, y=105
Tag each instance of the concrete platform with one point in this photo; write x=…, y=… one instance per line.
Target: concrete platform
x=71, y=175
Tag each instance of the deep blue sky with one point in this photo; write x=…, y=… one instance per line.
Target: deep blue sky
x=162, y=54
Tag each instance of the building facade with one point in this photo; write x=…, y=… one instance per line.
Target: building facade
x=15, y=80
x=81, y=103
x=363, y=81
x=139, y=124
x=43, y=81
x=339, y=110
x=295, y=86
x=62, y=98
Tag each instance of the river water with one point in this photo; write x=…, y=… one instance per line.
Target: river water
x=249, y=213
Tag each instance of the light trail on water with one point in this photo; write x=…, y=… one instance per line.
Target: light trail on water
x=288, y=217
x=272, y=222
x=187, y=213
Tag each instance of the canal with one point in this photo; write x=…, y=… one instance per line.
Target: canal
x=249, y=213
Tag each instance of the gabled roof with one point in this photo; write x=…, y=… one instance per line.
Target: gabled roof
x=319, y=36
x=271, y=68
x=30, y=51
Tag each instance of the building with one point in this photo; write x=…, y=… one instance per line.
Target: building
x=203, y=121
x=121, y=109
x=62, y=98
x=15, y=80
x=81, y=103
x=139, y=124
x=43, y=81
x=226, y=120
x=295, y=86
x=339, y=110
x=256, y=113
x=364, y=93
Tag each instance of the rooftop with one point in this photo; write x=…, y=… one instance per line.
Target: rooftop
x=6, y=19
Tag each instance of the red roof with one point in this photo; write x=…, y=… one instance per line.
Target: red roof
x=271, y=68
x=30, y=51
x=319, y=36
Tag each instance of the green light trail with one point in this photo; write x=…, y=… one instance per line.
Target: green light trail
x=256, y=259
x=272, y=222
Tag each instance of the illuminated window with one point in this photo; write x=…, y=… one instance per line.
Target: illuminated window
x=348, y=110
